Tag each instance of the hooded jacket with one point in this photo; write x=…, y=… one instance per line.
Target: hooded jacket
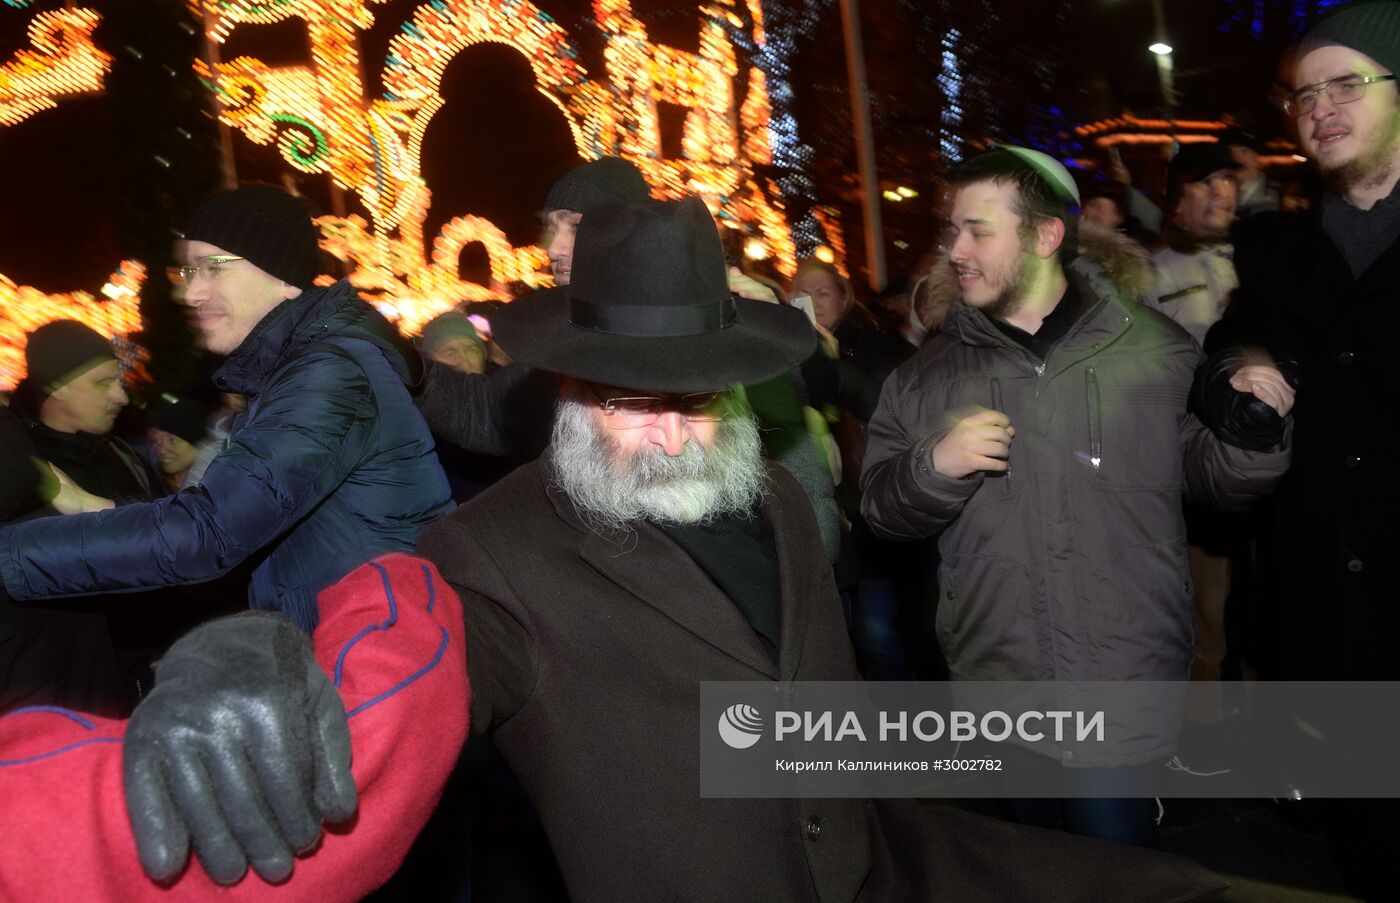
x=330, y=466
x=1072, y=565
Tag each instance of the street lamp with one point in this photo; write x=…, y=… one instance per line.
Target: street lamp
x=1160, y=49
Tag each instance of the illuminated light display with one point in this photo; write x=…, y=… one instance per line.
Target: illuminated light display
x=1180, y=137
x=63, y=62
x=1129, y=130
x=950, y=139
x=1129, y=122
x=412, y=294
x=24, y=309
x=320, y=120
x=830, y=222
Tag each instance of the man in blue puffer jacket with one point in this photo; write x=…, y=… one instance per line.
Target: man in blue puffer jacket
x=330, y=467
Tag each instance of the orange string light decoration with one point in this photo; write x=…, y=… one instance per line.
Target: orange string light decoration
x=116, y=313
x=64, y=62
x=61, y=62
x=320, y=121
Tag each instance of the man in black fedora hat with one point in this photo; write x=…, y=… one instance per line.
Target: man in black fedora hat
x=498, y=413
x=651, y=548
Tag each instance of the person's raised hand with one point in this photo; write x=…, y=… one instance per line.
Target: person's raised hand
x=749, y=287
x=1266, y=383
x=979, y=440
x=65, y=496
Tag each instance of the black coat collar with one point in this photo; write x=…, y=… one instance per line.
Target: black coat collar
x=318, y=313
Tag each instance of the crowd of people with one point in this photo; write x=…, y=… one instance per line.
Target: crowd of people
x=1090, y=429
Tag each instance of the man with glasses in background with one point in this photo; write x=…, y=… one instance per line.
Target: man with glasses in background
x=330, y=466
x=1323, y=290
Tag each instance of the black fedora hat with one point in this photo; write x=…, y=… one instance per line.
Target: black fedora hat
x=649, y=307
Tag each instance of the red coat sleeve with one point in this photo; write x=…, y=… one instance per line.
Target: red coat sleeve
x=391, y=639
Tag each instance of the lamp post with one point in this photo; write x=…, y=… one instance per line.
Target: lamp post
x=1163, y=52
x=865, y=147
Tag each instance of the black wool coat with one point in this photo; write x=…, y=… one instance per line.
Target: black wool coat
x=1330, y=605
x=585, y=652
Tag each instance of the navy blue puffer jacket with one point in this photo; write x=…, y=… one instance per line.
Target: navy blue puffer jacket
x=331, y=466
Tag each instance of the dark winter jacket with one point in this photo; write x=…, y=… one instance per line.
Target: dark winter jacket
x=62, y=655
x=47, y=657
x=1331, y=614
x=19, y=478
x=330, y=466
x=105, y=465
x=1072, y=566
x=868, y=357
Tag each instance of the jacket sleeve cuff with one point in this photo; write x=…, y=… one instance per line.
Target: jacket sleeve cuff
x=10, y=573
x=1268, y=464
x=944, y=494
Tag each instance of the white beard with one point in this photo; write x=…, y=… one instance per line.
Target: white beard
x=696, y=486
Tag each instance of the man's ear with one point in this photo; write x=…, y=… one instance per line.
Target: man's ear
x=1049, y=235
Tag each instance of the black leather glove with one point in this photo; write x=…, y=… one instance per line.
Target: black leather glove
x=1236, y=418
x=242, y=748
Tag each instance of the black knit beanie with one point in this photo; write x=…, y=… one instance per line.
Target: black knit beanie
x=60, y=351
x=264, y=225
x=182, y=417
x=1372, y=28
x=604, y=181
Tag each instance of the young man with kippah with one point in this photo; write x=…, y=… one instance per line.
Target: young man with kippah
x=330, y=466
x=1043, y=436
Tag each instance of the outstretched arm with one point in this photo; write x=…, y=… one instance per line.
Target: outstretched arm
x=311, y=430
x=390, y=642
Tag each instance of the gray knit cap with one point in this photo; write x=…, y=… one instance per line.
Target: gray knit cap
x=1372, y=28
x=447, y=326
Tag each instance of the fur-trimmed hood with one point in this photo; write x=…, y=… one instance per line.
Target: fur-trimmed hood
x=1109, y=260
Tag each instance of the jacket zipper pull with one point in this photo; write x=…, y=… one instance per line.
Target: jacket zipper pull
x=1091, y=381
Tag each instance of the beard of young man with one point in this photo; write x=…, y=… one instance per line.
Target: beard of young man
x=1010, y=280
x=1373, y=168
x=1013, y=281
x=698, y=486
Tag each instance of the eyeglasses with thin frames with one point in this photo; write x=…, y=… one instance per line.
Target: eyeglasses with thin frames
x=208, y=267
x=634, y=412
x=1340, y=90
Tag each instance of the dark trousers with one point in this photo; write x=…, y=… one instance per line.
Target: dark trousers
x=1103, y=803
